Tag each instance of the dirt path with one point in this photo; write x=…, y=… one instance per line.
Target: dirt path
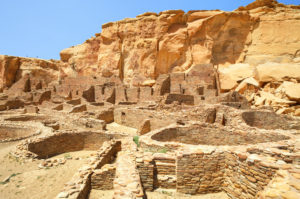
x=29, y=181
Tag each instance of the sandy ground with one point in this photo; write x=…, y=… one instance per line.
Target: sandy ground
x=121, y=128
x=159, y=194
x=170, y=194
x=99, y=194
x=29, y=181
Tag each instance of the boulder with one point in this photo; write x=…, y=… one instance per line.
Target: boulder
x=270, y=72
x=292, y=90
x=247, y=84
x=230, y=76
x=271, y=99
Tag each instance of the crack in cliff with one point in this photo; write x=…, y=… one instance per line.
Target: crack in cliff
x=121, y=59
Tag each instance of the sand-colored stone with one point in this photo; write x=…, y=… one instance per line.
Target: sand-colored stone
x=146, y=96
x=155, y=44
x=277, y=72
x=292, y=90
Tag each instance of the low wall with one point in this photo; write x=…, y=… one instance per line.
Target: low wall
x=164, y=171
x=245, y=178
x=199, y=173
x=240, y=175
x=102, y=179
x=63, y=142
x=204, y=134
x=14, y=132
x=134, y=117
x=146, y=172
x=79, y=186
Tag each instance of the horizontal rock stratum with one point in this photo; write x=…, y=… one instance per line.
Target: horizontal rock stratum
x=260, y=41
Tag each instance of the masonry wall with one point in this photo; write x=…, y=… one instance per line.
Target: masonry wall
x=146, y=171
x=83, y=177
x=200, y=173
x=102, y=179
x=68, y=142
x=164, y=172
x=135, y=117
x=244, y=179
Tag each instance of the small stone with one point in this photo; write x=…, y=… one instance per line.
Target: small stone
x=296, y=175
x=295, y=184
x=63, y=195
x=280, y=162
x=251, y=179
x=291, y=195
x=242, y=156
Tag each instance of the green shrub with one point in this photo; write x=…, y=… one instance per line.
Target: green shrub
x=67, y=156
x=136, y=140
x=164, y=150
x=8, y=179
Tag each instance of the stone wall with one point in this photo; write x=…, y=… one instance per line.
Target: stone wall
x=13, y=131
x=164, y=171
x=63, y=142
x=199, y=173
x=157, y=170
x=134, y=117
x=241, y=175
x=180, y=98
x=198, y=83
x=102, y=179
x=244, y=178
x=80, y=185
x=145, y=167
x=207, y=134
x=269, y=120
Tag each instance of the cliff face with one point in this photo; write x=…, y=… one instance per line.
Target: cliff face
x=14, y=68
x=254, y=50
x=142, y=48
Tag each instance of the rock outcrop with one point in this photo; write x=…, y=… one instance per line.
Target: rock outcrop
x=14, y=68
x=252, y=50
x=142, y=48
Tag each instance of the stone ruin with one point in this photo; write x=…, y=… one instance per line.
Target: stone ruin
x=191, y=138
x=187, y=137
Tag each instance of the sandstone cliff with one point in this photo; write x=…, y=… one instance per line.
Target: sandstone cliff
x=14, y=68
x=255, y=50
x=172, y=41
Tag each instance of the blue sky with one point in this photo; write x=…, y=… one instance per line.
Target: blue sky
x=42, y=28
